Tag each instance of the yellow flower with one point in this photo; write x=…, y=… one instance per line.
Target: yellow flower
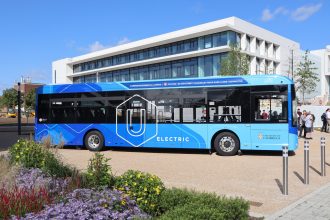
x=17, y=156
x=123, y=202
x=134, y=184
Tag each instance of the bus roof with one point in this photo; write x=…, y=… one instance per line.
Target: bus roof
x=216, y=81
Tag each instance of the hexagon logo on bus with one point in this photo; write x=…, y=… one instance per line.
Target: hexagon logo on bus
x=131, y=120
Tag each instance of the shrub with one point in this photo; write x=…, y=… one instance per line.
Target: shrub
x=54, y=166
x=33, y=155
x=99, y=172
x=144, y=187
x=184, y=204
x=19, y=201
x=92, y=204
x=27, y=153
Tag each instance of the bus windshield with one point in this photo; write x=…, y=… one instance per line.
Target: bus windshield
x=294, y=107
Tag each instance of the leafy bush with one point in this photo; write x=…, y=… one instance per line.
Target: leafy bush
x=99, y=172
x=30, y=154
x=184, y=204
x=54, y=166
x=144, y=187
x=27, y=153
x=92, y=204
x=19, y=201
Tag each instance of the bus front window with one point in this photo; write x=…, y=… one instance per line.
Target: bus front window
x=294, y=107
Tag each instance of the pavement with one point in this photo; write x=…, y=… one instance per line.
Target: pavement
x=313, y=206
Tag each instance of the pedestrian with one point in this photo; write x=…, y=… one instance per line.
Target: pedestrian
x=328, y=118
x=313, y=120
x=264, y=115
x=299, y=113
x=308, y=125
x=302, y=124
x=324, y=121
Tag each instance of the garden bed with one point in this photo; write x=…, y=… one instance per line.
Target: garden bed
x=36, y=184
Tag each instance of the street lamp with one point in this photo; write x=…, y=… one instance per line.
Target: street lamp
x=19, y=108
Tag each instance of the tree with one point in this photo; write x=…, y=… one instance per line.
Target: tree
x=30, y=99
x=9, y=98
x=305, y=76
x=236, y=63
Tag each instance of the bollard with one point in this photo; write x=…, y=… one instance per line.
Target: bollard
x=322, y=156
x=285, y=169
x=306, y=162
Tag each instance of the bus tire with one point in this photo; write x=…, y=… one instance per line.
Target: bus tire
x=94, y=141
x=226, y=144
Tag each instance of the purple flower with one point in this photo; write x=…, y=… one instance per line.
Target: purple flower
x=91, y=204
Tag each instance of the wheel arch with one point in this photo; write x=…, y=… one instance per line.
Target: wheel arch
x=221, y=131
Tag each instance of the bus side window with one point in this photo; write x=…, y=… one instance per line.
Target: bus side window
x=168, y=110
x=270, y=108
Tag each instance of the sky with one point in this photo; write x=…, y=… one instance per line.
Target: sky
x=35, y=33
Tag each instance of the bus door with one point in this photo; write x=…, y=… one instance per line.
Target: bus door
x=169, y=132
x=230, y=109
x=269, y=130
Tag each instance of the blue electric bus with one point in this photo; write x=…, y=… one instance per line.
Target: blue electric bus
x=226, y=114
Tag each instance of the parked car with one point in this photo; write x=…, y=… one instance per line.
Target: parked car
x=11, y=113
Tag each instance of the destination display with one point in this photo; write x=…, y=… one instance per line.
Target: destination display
x=185, y=83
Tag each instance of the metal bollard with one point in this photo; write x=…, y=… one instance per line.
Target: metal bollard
x=306, y=162
x=285, y=168
x=322, y=156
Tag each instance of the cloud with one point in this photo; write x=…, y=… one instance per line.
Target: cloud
x=124, y=40
x=304, y=12
x=95, y=46
x=269, y=15
x=299, y=14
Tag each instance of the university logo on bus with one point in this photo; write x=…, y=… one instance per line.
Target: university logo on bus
x=131, y=120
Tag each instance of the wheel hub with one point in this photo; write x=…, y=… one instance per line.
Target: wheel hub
x=227, y=144
x=93, y=141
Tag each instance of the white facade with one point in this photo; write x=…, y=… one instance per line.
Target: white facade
x=269, y=53
x=323, y=65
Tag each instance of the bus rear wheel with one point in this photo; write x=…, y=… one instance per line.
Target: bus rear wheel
x=226, y=144
x=94, y=141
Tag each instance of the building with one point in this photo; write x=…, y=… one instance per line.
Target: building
x=27, y=85
x=192, y=52
x=322, y=61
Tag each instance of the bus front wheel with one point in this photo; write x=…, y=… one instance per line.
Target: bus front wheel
x=226, y=144
x=94, y=141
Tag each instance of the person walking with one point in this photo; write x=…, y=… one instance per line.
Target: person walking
x=308, y=125
x=313, y=120
x=328, y=119
x=302, y=124
x=324, y=121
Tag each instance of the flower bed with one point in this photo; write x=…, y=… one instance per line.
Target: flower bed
x=46, y=188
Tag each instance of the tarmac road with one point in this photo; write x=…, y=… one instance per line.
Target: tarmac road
x=9, y=135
